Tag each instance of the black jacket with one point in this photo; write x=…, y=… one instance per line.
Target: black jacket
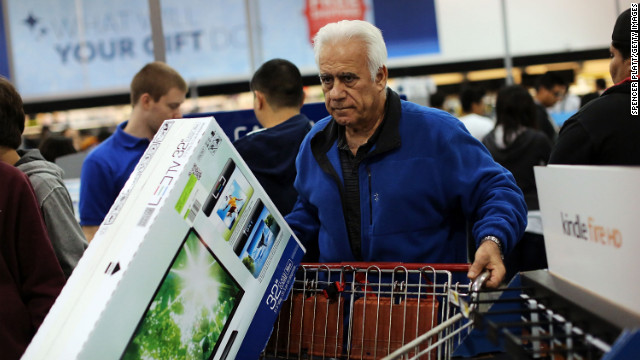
x=530, y=148
x=603, y=132
x=544, y=123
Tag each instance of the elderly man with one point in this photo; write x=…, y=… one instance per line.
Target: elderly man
x=387, y=180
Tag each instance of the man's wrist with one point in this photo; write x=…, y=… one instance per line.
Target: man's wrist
x=495, y=240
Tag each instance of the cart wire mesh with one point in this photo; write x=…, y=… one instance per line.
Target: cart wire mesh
x=368, y=311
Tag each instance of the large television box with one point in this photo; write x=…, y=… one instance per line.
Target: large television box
x=192, y=261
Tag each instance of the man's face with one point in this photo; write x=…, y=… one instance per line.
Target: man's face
x=351, y=97
x=619, y=68
x=550, y=97
x=167, y=107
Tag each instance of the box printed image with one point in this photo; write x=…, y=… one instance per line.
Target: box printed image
x=189, y=313
x=228, y=198
x=257, y=239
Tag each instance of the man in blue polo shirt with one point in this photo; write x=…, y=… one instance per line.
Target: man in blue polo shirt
x=157, y=91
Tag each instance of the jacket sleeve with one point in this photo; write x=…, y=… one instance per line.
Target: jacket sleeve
x=303, y=218
x=488, y=193
x=574, y=145
x=304, y=223
x=41, y=278
x=64, y=231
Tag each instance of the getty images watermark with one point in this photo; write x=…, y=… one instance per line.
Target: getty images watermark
x=634, y=59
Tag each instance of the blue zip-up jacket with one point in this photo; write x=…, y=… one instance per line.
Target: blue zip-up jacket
x=420, y=184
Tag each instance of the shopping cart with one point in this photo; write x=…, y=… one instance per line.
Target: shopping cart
x=365, y=311
x=541, y=316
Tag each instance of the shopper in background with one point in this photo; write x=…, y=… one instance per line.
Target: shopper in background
x=157, y=92
x=55, y=146
x=271, y=152
x=604, y=131
x=387, y=180
x=103, y=134
x=436, y=100
x=518, y=145
x=471, y=99
x=550, y=88
x=86, y=139
x=46, y=178
x=601, y=86
x=30, y=276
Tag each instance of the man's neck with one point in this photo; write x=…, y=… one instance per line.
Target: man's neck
x=136, y=126
x=9, y=155
x=358, y=136
x=278, y=117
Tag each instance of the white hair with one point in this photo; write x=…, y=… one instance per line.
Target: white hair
x=348, y=29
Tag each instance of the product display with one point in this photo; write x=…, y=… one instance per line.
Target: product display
x=192, y=261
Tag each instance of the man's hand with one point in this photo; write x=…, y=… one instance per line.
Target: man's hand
x=488, y=257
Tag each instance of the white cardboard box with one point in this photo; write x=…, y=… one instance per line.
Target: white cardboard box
x=192, y=261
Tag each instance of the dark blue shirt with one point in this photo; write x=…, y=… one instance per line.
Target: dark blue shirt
x=271, y=156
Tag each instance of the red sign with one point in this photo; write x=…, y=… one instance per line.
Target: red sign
x=322, y=12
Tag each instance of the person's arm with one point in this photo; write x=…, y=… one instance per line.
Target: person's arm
x=90, y=232
x=304, y=223
x=66, y=236
x=489, y=197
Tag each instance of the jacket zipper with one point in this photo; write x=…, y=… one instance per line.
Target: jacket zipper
x=370, y=199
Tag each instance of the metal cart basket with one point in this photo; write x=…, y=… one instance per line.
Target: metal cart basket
x=368, y=311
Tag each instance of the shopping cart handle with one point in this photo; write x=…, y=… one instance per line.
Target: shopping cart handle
x=479, y=282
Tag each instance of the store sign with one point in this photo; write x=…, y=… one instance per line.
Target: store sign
x=67, y=48
x=590, y=220
x=322, y=12
x=4, y=57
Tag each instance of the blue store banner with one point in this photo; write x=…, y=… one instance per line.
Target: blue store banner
x=418, y=33
x=70, y=48
x=4, y=56
x=239, y=123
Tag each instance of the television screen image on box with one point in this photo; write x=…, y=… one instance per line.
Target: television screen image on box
x=228, y=198
x=191, y=308
x=216, y=191
x=257, y=239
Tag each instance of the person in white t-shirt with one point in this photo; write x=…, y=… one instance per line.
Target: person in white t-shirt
x=473, y=112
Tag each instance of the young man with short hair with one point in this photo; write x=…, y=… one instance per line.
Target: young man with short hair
x=271, y=152
x=550, y=88
x=471, y=99
x=157, y=92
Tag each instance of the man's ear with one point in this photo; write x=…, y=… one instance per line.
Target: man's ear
x=260, y=99
x=145, y=100
x=304, y=96
x=627, y=65
x=381, y=77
